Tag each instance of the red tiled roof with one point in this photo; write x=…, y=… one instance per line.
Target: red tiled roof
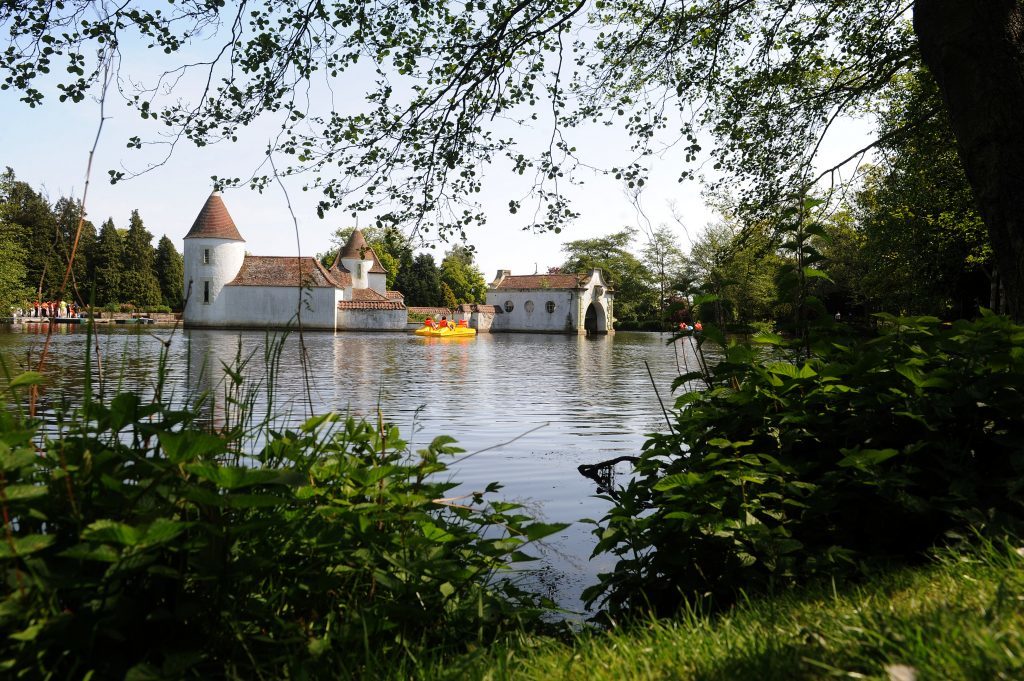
x=395, y=295
x=535, y=281
x=275, y=270
x=368, y=299
x=370, y=305
x=367, y=294
x=214, y=222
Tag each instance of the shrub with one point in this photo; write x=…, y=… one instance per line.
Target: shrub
x=870, y=450
x=140, y=544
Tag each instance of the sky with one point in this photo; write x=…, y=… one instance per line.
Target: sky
x=48, y=147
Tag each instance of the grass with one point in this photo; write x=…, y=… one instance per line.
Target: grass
x=961, y=617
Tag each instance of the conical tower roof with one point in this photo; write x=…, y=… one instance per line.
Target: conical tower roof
x=358, y=249
x=214, y=222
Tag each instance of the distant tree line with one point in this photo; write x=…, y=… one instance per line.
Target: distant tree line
x=121, y=267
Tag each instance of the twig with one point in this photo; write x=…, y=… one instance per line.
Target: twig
x=658, y=395
x=501, y=444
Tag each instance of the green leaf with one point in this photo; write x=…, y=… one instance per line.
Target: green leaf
x=26, y=545
x=24, y=492
x=111, y=531
x=783, y=369
x=27, y=378
x=675, y=480
x=537, y=531
x=866, y=457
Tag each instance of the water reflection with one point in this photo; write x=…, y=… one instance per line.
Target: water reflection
x=589, y=398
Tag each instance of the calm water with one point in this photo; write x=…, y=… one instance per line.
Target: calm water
x=589, y=399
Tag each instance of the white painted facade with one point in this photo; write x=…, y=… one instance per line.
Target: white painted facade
x=551, y=303
x=210, y=263
x=272, y=306
x=226, y=288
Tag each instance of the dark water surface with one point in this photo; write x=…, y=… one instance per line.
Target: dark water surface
x=589, y=398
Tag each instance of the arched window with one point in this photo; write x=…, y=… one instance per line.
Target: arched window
x=550, y=306
x=509, y=306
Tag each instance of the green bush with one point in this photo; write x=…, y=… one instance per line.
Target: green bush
x=869, y=451
x=139, y=543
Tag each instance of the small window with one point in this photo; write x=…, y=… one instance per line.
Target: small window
x=528, y=307
x=509, y=306
x=206, y=291
x=550, y=306
x=206, y=256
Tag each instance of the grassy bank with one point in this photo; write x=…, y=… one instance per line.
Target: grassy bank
x=958, y=618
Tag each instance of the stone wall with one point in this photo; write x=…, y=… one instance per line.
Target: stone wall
x=371, y=320
x=271, y=307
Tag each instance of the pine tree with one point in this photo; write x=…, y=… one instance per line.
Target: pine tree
x=106, y=260
x=13, y=288
x=170, y=271
x=139, y=284
x=66, y=213
x=31, y=213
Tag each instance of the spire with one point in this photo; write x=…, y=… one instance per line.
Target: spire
x=356, y=248
x=214, y=222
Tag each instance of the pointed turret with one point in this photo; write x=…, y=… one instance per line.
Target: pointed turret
x=214, y=222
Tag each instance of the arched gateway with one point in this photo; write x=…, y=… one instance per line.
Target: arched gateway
x=596, y=321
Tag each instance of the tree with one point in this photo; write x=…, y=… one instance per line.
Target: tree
x=925, y=247
x=170, y=272
x=767, y=80
x=737, y=268
x=13, y=288
x=38, y=232
x=67, y=212
x=462, y=277
x=108, y=264
x=421, y=283
x=139, y=284
x=666, y=262
x=635, y=298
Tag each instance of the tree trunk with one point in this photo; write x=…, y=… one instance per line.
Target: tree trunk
x=975, y=51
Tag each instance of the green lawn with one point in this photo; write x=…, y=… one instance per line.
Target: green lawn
x=959, y=618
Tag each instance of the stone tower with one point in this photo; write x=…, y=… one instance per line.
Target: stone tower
x=214, y=251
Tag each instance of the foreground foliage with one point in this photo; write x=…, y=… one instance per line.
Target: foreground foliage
x=866, y=451
x=139, y=545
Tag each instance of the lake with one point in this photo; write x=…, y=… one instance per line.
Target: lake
x=541, y=405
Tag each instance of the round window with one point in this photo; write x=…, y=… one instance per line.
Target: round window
x=508, y=306
x=528, y=307
x=550, y=306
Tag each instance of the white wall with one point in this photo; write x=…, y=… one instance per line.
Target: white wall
x=372, y=320
x=226, y=256
x=563, y=320
x=273, y=307
x=378, y=282
x=360, y=270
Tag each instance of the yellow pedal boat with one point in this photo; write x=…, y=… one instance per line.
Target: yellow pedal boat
x=452, y=331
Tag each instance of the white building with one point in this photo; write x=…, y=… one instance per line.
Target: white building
x=227, y=288
x=549, y=303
